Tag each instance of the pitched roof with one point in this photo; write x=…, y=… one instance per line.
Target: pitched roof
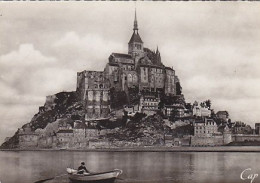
x=199, y=121
x=222, y=113
x=135, y=38
x=168, y=68
x=65, y=131
x=80, y=126
x=122, y=55
x=114, y=64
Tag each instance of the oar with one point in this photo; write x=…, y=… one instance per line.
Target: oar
x=40, y=181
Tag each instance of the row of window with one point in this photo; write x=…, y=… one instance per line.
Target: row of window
x=98, y=98
x=153, y=70
x=151, y=99
x=150, y=107
x=153, y=103
x=200, y=132
x=124, y=60
x=97, y=107
x=132, y=78
x=137, y=46
x=128, y=67
x=156, y=70
x=156, y=79
x=97, y=77
x=96, y=86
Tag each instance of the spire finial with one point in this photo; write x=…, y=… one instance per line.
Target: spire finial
x=135, y=22
x=157, y=50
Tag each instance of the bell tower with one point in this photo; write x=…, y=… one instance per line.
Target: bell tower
x=135, y=45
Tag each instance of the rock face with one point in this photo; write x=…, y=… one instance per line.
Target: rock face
x=61, y=105
x=60, y=123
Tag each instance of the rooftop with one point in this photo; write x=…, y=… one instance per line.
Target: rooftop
x=168, y=68
x=222, y=113
x=135, y=38
x=200, y=121
x=113, y=64
x=122, y=55
x=65, y=131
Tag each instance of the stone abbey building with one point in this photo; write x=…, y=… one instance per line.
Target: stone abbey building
x=140, y=69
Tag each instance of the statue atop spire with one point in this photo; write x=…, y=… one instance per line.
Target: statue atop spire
x=135, y=23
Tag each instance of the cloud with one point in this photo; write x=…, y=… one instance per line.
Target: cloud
x=27, y=77
x=25, y=56
x=90, y=51
x=240, y=109
x=17, y=67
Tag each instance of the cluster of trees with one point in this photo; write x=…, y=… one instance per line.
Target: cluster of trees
x=117, y=99
x=206, y=103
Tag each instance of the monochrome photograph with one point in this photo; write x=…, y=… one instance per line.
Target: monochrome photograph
x=129, y=92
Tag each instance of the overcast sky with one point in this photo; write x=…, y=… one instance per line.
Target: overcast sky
x=214, y=48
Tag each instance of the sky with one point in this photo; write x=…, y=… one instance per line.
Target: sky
x=212, y=46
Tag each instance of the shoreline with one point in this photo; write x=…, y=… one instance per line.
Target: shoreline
x=243, y=149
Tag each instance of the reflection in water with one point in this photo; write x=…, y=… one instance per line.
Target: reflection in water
x=154, y=167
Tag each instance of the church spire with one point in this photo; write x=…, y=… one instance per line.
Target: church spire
x=135, y=23
x=135, y=45
x=135, y=37
x=158, y=55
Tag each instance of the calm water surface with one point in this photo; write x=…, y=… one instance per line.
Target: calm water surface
x=154, y=167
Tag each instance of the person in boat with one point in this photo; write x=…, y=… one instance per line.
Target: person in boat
x=82, y=169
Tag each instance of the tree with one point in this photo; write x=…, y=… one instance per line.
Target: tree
x=208, y=103
x=213, y=115
x=124, y=119
x=161, y=105
x=173, y=114
x=118, y=98
x=178, y=88
x=202, y=104
x=188, y=106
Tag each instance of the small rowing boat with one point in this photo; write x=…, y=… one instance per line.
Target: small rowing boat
x=101, y=177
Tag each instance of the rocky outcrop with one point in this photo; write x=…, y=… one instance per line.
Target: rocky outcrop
x=64, y=105
x=141, y=130
x=127, y=131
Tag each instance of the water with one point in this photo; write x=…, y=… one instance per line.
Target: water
x=138, y=167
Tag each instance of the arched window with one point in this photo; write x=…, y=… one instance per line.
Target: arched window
x=130, y=78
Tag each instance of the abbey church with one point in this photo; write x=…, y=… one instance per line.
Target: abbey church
x=140, y=70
